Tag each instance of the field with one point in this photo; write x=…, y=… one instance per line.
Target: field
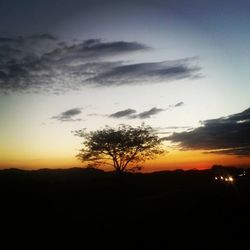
x=150, y=208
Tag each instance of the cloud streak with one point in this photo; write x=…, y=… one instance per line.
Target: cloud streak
x=69, y=115
x=142, y=73
x=123, y=113
x=45, y=63
x=226, y=135
x=179, y=104
x=149, y=113
x=131, y=113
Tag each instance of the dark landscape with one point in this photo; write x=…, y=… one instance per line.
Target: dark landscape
x=150, y=208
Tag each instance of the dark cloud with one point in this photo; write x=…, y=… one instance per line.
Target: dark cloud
x=146, y=73
x=225, y=135
x=45, y=63
x=124, y=113
x=131, y=113
x=149, y=113
x=179, y=104
x=69, y=115
x=93, y=49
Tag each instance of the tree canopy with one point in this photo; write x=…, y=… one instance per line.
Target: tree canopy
x=122, y=147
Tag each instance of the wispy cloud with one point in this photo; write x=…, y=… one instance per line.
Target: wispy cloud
x=225, y=135
x=69, y=115
x=132, y=113
x=149, y=113
x=123, y=113
x=45, y=63
x=143, y=73
x=179, y=104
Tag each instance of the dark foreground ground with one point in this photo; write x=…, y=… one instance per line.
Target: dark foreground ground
x=149, y=211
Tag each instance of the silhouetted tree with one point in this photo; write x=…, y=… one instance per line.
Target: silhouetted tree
x=122, y=147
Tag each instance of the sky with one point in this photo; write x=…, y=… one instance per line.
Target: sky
x=181, y=67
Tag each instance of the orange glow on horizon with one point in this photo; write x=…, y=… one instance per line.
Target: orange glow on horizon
x=173, y=160
x=195, y=159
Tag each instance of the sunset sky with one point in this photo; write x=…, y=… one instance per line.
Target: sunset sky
x=180, y=66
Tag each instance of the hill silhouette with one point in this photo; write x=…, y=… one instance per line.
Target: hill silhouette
x=154, y=207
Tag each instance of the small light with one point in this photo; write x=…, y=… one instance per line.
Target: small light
x=216, y=178
x=231, y=179
x=222, y=178
x=226, y=179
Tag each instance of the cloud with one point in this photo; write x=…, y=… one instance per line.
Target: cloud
x=123, y=113
x=142, y=73
x=179, y=104
x=149, y=113
x=93, y=49
x=226, y=135
x=131, y=113
x=68, y=116
x=44, y=63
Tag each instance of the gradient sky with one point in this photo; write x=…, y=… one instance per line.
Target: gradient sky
x=180, y=66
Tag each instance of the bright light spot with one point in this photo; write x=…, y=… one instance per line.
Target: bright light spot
x=222, y=178
x=231, y=179
x=216, y=178
x=226, y=179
